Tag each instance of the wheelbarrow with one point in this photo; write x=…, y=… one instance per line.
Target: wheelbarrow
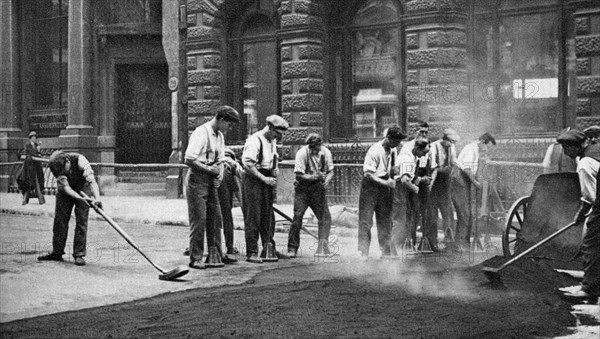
x=539, y=220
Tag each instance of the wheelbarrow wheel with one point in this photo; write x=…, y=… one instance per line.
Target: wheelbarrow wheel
x=511, y=238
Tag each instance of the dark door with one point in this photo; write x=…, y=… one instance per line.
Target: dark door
x=143, y=117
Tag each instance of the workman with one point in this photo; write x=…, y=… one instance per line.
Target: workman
x=377, y=192
x=314, y=170
x=260, y=181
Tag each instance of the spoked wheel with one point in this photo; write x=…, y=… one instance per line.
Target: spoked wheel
x=514, y=223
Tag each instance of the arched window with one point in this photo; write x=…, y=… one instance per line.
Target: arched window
x=368, y=70
x=255, y=68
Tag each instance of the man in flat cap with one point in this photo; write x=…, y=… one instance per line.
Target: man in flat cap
x=377, y=192
x=314, y=170
x=576, y=144
x=204, y=155
x=260, y=163
x=555, y=160
x=73, y=174
x=592, y=133
x=443, y=155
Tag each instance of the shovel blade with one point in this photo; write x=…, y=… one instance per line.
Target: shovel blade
x=175, y=273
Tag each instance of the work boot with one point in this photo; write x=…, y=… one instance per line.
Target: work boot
x=254, y=259
x=79, y=261
x=198, y=264
x=323, y=249
x=227, y=260
x=233, y=251
x=50, y=257
x=292, y=252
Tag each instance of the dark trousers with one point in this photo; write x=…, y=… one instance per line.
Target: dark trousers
x=258, y=213
x=311, y=195
x=417, y=210
x=376, y=199
x=226, y=202
x=60, y=229
x=401, y=228
x=460, y=188
x=590, y=249
x=204, y=213
x=439, y=199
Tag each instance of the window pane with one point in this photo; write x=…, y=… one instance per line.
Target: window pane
x=376, y=82
x=51, y=63
x=529, y=69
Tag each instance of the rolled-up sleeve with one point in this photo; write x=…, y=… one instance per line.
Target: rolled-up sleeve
x=88, y=172
x=587, y=169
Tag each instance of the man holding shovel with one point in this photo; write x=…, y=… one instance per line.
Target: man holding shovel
x=73, y=174
x=204, y=156
x=576, y=144
x=314, y=170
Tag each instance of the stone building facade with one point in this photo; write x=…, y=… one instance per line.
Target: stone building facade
x=136, y=76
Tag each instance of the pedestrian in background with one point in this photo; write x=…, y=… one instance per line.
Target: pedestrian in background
x=31, y=177
x=204, y=156
x=260, y=180
x=73, y=174
x=314, y=170
x=377, y=192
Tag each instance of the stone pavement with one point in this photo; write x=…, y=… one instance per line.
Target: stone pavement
x=115, y=272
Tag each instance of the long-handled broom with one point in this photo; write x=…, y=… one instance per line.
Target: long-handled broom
x=493, y=273
x=173, y=274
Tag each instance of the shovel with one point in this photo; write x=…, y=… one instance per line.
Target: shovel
x=170, y=275
x=493, y=273
x=332, y=239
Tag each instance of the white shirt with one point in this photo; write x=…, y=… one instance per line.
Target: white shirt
x=314, y=163
x=205, y=145
x=377, y=161
x=407, y=148
x=469, y=157
x=407, y=165
x=253, y=146
x=587, y=169
x=438, y=154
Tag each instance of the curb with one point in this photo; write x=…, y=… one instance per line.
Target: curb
x=96, y=217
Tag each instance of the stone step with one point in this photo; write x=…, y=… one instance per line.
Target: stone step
x=135, y=193
x=139, y=186
x=140, y=180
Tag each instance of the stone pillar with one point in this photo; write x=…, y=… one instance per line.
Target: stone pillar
x=172, y=45
x=587, y=50
x=436, y=57
x=203, y=47
x=11, y=140
x=80, y=80
x=301, y=69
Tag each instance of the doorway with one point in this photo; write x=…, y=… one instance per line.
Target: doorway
x=143, y=116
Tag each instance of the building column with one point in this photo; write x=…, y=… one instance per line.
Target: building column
x=11, y=138
x=172, y=15
x=80, y=80
x=436, y=75
x=302, y=69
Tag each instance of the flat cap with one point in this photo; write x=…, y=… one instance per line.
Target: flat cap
x=278, y=122
x=229, y=153
x=573, y=136
x=592, y=131
x=32, y=134
x=451, y=135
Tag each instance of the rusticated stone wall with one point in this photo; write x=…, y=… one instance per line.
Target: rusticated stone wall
x=204, y=52
x=436, y=59
x=587, y=49
x=301, y=68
